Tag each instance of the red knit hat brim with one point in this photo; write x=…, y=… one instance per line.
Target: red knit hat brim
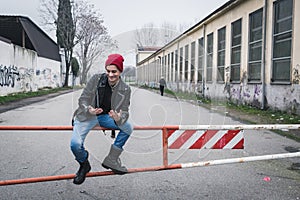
x=115, y=59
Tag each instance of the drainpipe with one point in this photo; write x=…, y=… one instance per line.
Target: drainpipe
x=263, y=71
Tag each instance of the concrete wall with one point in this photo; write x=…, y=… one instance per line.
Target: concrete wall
x=22, y=70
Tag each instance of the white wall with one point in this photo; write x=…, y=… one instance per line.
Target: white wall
x=22, y=70
x=48, y=73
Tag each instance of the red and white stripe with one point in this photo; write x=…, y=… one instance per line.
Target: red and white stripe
x=205, y=139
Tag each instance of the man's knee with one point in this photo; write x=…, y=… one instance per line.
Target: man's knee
x=129, y=128
x=75, y=145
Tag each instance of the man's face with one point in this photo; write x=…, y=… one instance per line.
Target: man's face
x=113, y=74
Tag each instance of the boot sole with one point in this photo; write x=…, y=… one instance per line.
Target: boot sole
x=114, y=170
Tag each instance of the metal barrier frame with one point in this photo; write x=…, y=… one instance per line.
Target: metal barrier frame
x=165, y=165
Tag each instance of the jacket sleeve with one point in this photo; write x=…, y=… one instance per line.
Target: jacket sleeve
x=125, y=107
x=88, y=94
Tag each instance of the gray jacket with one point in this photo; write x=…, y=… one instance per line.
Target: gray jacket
x=162, y=82
x=120, y=99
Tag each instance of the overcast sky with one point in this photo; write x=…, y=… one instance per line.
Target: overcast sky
x=127, y=15
x=121, y=16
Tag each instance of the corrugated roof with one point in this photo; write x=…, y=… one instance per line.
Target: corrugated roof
x=13, y=27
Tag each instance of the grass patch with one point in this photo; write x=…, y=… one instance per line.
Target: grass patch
x=23, y=95
x=270, y=116
x=246, y=113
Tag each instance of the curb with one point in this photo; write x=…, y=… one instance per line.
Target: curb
x=27, y=101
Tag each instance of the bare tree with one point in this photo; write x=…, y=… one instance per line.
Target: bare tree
x=168, y=32
x=57, y=15
x=65, y=33
x=48, y=14
x=93, y=38
x=74, y=69
x=184, y=26
x=147, y=35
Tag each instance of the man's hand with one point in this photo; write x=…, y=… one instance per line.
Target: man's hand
x=115, y=115
x=95, y=111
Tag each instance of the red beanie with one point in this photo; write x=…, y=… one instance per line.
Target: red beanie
x=115, y=59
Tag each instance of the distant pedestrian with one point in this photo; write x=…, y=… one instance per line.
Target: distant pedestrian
x=104, y=101
x=162, y=84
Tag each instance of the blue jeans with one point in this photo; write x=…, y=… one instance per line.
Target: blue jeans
x=81, y=129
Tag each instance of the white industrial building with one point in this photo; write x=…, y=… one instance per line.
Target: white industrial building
x=245, y=51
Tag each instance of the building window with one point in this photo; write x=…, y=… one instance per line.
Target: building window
x=165, y=67
x=172, y=67
x=236, y=44
x=158, y=68
x=200, y=59
x=221, y=54
x=181, y=63
x=163, y=71
x=168, y=74
x=193, y=57
x=186, y=61
x=255, y=45
x=176, y=65
x=209, y=57
x=282, y=40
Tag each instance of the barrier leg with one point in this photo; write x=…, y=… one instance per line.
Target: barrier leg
x=165, y=146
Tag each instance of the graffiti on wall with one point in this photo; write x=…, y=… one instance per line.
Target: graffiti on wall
x=27, y=79
x=27, y=82
x=251, y=94
x=296, y=74
x=243, y=92
x=47, y=77
x=227, y=82
x=8, y=76
x=235, y=92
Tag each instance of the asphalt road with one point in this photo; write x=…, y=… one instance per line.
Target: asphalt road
x=27, y=154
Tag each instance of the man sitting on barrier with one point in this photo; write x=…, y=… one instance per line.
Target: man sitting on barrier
x=105, y=101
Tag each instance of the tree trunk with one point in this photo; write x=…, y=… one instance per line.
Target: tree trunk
x=83, y=79
x=66, y=83
x=68, y=56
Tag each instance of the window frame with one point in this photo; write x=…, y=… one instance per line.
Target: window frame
x=193, y=60
x=277, y=34
x=255, y=44
x=236, y=48
x=221, y=53
x=180, y=63
x=200, y=59
x=186, y=61
x=176, y=65
x=209, y=56
x=172, y=66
